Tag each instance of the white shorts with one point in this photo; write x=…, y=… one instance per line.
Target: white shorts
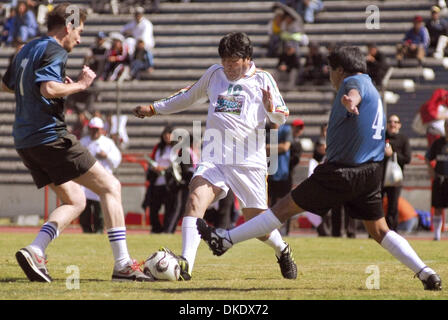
x=248, y=184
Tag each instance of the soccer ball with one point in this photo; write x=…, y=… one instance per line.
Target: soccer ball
x=162, y=266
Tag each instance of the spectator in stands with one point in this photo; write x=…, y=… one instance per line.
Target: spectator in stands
x=309, y=8
x=438, y=33
x=25, y=24
x=139, y=28
x=96, y=57
x=153, y=6
x=95, y=60
x=414, y=44
x=142, y=61
x=80, y=128
x=398, y=143
x=274, y=32
x=408, y=220
x=297, y=126
x=319, y=152
x=187, y=171
x=279, y=183
x=7, y=35
x=315, y=68
x=439, y=174
x=105, y=151
x=43, y=8
x=377, y=65
x=117, y=58
x=158, y=192
x=433, y=114
x=288, y=67
x=292, y=31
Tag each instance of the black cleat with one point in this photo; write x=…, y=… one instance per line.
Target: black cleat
x=287, y=264
x=433, y=283
x=216, y=238
x=183, y=264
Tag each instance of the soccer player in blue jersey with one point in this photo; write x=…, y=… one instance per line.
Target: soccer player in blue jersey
x=351, y=176
x=53, y=156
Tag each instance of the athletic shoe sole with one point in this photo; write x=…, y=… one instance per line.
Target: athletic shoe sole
x=130, y=279
x=31, y=270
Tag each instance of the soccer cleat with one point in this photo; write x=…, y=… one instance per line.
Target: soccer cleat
x=183, y=264
x=216, y=239
x=33, y=265
x=287, y=264
x=433, y=283
x=132, y=272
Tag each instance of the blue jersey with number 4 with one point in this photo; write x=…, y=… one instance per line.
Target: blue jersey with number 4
x=356, y=139
x=38, y=120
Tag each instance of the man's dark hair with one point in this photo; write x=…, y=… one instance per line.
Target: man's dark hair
x=59, y=16
x=351, y=59
x=235, y=44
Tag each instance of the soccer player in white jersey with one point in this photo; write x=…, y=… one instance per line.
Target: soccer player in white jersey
x=242, y=98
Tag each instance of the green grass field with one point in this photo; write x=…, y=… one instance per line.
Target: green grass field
x=329, y=268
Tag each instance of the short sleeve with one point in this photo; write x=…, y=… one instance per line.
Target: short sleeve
x=353, y=83
x=52, y=67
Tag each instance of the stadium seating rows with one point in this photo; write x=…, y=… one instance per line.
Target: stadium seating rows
x=187, y=35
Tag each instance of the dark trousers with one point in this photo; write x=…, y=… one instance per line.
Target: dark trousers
x=393, y=194
x=340, y=220
x=222, y=217
x=160, y=195
x=91, y=219
x=335, y=221
x=178, y=211
x=276, y=191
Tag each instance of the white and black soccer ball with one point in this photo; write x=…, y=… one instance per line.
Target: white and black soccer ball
x=162, y=266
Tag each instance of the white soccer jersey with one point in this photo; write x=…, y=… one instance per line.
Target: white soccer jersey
x=236, y=115
x=112, y=161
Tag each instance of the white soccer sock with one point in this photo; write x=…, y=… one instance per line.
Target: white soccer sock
x=275, y=241
x=117, y=239
x=400, y=248
x=258, y=226
x=437, y=224
x=190, y=240
x=47, y=233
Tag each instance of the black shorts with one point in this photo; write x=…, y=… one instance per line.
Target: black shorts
x=57, y=162
x=357, y=188
x=439, y=195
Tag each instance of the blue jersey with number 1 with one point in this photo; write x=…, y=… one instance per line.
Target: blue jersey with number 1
x=356, y=139
x=38, y=120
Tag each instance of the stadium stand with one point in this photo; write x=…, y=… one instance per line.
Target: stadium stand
x=187, y=35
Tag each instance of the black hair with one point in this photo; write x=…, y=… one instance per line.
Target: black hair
x=235, y=44
x=350, y=58
x=163, y=144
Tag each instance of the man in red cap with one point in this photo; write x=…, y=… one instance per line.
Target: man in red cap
x=415, y=43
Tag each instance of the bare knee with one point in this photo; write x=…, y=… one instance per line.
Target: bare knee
x=377, y=229
x=112, y=187
x=285, y=208
x=194, y=205
x=77, y=201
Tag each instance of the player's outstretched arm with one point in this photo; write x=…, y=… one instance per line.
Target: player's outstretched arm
x=54, y=89
x=351, y=100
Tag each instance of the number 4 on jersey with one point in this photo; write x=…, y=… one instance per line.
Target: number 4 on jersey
x=378, y=124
